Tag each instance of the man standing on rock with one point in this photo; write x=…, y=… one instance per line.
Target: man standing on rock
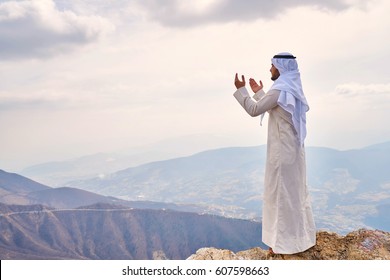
x=288, y=225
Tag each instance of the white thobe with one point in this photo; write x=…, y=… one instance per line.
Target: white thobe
x=287, y=223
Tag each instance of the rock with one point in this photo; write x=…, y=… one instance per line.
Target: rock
x=213, y=254
x=362, y=244
x=159, y=255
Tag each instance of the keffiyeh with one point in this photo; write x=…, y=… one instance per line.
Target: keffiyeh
x=291, y=98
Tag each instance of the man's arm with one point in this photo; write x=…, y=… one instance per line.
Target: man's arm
x=253, y=108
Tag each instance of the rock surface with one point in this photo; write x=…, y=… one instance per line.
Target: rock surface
x=362, y=244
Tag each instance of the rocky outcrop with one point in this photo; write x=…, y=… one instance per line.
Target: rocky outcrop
x=362, y=244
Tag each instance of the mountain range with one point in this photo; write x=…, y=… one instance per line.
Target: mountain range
x=57, y=173
x=170, y=208
x=349, y=189
x=109, y=228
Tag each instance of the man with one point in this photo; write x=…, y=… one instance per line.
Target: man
x=288, y=225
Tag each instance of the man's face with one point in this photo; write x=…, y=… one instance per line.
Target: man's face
x=274, y=73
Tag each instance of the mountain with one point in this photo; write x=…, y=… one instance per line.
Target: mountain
x=221, y=179
x=15, y=183
x=347, y=187
x=14, y=188
x=17, y=189
x=109, y=232
x=57, y=173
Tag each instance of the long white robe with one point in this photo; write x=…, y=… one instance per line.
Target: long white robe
x=288, y=224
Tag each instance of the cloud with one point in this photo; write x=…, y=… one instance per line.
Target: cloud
x=356, y=89
x=63, y=95
x=368, y=103
x=38, y=29
x=353, y=113
x=365, y=97
x=184, y=13
x=37, y=100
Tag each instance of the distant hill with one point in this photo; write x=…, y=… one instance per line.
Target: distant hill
x=19, y=190
x=57, y=173
x=228, y=180
x=15, y=183
x=109, y=232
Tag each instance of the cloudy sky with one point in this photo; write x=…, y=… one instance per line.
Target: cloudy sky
x=81, y=77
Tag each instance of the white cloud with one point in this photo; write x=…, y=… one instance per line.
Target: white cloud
x=176, y=13
x=352, y=114
x=363, y=99
x=356, y=89
x=371, y=196
x=386, y=185
x=38, y=29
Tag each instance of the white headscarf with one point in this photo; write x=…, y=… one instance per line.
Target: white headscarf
x=291, y=98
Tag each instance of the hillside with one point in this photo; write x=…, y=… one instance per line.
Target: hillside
x=15, y=183
x=109, y=232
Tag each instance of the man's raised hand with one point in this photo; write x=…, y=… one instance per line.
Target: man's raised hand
x=254, y=86
x=239, y=83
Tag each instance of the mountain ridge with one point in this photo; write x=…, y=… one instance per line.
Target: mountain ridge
x=18, y=183
x=101, y=232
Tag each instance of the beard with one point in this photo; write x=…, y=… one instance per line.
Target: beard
x=275, y=76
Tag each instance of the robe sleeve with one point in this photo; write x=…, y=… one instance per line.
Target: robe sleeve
x=258, y=95
x=262, y=103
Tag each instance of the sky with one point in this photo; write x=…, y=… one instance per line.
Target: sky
x=82, y=77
